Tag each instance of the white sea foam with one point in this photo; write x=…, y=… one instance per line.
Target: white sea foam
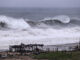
x=61, y=18
x=14, y=23
x=49, y=36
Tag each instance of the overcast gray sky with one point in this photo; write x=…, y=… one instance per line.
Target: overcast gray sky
x=40, y=3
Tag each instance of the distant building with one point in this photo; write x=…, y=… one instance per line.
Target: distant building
x=22, y=48
x=63, y=47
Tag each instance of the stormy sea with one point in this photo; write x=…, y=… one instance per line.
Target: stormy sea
x=39, y=26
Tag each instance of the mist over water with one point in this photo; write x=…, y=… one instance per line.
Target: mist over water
x=44, y=26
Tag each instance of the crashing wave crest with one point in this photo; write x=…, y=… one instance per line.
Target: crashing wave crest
x=60, y=21
x=12, y=23
x=61, y=18
x=57, y=21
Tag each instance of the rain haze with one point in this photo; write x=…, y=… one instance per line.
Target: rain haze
x=40, y=3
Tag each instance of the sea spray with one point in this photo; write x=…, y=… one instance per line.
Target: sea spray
x=20, y=31
x=13, y=23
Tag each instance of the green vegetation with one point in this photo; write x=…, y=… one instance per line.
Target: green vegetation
x=59, y=55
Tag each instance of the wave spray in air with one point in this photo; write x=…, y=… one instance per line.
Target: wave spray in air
x=49, y=31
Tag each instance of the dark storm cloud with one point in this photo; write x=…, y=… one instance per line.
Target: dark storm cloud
x=39, y=3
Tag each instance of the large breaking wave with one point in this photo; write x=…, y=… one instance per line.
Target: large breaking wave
x=15, y=31
x=13, y=23
x=57, y=21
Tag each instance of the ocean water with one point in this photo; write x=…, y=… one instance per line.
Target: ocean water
x=48, y=26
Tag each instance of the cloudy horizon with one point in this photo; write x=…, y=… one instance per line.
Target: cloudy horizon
x=41, y=3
